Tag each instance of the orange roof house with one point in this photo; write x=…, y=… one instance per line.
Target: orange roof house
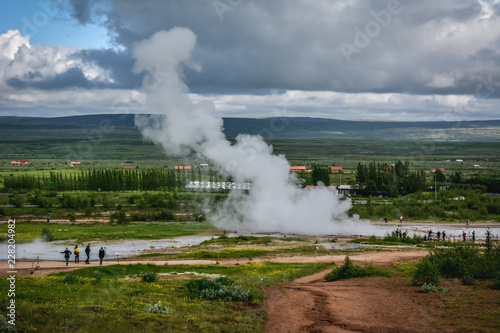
x=434, y=169
x=183, y=167
x=298, y=168
x=73, y=163
x=15, y=163
x=335, y=168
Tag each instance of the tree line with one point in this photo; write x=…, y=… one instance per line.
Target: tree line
x=102, y=180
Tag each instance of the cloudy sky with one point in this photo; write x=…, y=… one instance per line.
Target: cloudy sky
x=354, y=59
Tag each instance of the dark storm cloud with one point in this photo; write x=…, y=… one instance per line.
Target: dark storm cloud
x=422, y=47
x=81, y=10
x=72, y=78
x=118, y=63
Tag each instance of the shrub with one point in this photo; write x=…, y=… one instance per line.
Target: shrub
x=351, y=271
x=457, y=261
x=47, y=235
x=227, y=293
x=427, y=273
x=149, y=277
x=496, y=282
x=5, y=326
x=430, y=288
x=221, y=288
x=469, y=281
x=195, y=287
x=157, y=308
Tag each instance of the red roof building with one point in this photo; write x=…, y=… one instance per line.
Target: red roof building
x=74, y=163
x=183, y=167
x=298, y=168
x=25, y=161
x=15, y=163
x=440, y=169
x=335, y=168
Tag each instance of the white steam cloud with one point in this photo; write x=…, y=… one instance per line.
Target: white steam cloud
x=275, y=203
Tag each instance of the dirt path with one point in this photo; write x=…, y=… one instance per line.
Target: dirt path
x=47, y=267
x=310, y=304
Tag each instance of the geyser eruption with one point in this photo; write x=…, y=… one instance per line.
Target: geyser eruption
x=276, y=203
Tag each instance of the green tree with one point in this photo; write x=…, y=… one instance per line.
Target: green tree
x=321, y=174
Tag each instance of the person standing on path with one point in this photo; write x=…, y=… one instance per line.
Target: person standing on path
x=87, y=252
x=401, y=219
x=76, y=252
x=473, y=235
x=48, y=218
x=102, y=254
x=444, y=236
x=67, y=253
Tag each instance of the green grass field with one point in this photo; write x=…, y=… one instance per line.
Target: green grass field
x=115, y=301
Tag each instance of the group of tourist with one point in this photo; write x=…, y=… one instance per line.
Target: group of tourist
x=76, y=252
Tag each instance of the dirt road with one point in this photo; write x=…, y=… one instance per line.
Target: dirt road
x=310, y=304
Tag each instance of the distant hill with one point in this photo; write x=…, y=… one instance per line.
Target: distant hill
x=279, y=128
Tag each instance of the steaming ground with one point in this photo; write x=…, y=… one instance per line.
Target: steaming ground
x=128, y=248
x=276, y=201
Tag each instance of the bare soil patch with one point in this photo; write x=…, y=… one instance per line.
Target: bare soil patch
x=379, y=304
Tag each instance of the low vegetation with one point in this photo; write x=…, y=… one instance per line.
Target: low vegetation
x=462, y=261
x=350, y=271
x=120, y=301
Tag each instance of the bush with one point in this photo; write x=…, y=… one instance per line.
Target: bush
x=227, y=293
x=430, y=288
x=157, y=308
x=351, y=271
x=427, y=273
x=47, y=235
x=149, y=277
x=221, y=288
x=469, y=281
x=457, y=261
x=5, y=326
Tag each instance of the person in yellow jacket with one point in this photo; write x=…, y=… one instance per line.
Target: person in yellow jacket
x=76, y=252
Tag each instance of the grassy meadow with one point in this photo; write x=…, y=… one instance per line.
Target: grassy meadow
x=113, y=298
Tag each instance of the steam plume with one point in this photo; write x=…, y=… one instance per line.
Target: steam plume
x=276, y=203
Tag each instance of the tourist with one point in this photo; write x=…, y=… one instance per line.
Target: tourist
x=385, y=219
x=473, y=235
x=464, y=236
x=444, y=236
x=76, y=252
x=67, y=253
x=87, y=252
x=439, y=235
x=401, y=219
x=48, y=218
x=102, y=253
